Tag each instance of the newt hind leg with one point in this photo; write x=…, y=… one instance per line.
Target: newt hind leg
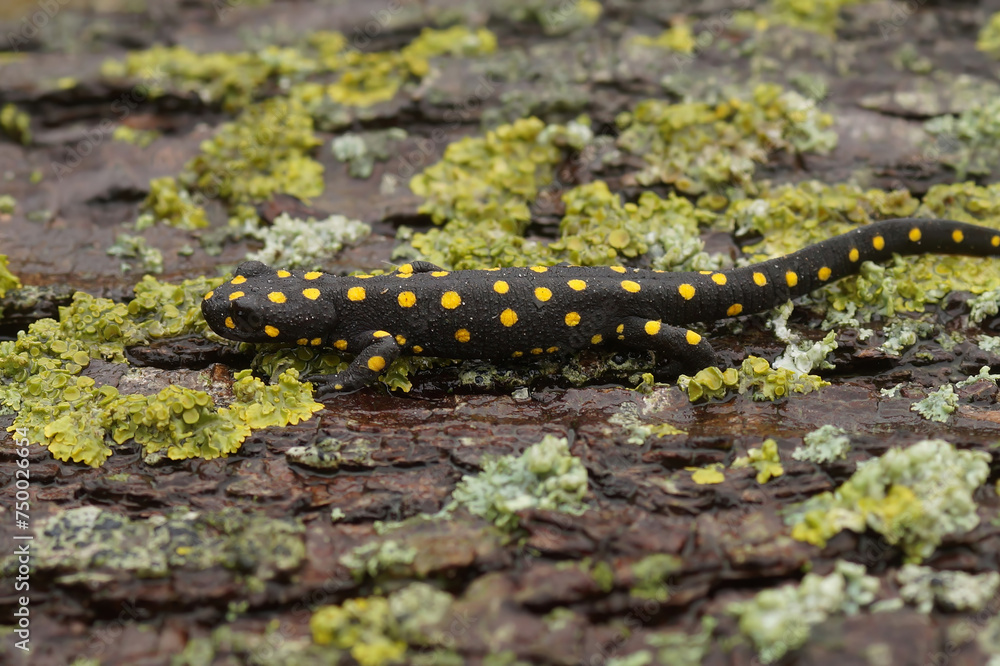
x=678, y=349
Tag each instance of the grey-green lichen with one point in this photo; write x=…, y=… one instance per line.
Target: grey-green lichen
x=546, y=476
x=755, y=375
x=7, y=204
x=914, y=497
x=296, y=243
x=677, y=648
x=952, y=591
x=150, y=259
x=824, y=445
x=937, y=406
x=361, y=151
x=779, y=620
x=651, y=576
x=88, y=544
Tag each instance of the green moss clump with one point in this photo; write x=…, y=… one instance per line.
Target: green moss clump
x=989, y=37
x=913, y=497
x=824, y=445
x=779, y=620
x=82, y=544
x=756, y=375
x=546, y=476
x=16, y=124
x=171, y=203
x=265, y=150
x=697, y=147
x=765, y=460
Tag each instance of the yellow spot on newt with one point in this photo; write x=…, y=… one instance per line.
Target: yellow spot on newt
x=450, y=300
x=400, y=340
x=652, y=327
x=239, y=279
x=577, y=285
x=284, y=273
x=517, y=354
x=356, y=293
x=340, y=344
x=501, y=287
x=759, y=279
x=508, y=317
x=536, y=351
x=209, y=295
x=957, y=236
x=572, y=318
x=597, y=339
x=630, y=286
x=271, y=331
x=791, y=278
x=302, y=341
x=229, y=323
x=824, y=273
x=381, y=334
x=719, y=278
x=462, y=335
x=406, y=299
x=878, y=243
x=543, y=294
x=376, y=363
x=853, y=255
x=417, y=349
x=915, y=234
x=236, y=294
x=405, y=268
x=617, y=269
x=539, y=269
x=316, y=342
x=620, y=329
x=552, y=349
x=439, y=273
x=692, y=338
x=734, y=309
x=687, y=291
x=276, y=297
x=311, y=275
x=995, y=241
x=311, y=293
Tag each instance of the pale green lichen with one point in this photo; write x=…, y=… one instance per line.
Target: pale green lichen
x=150, y=259
x=779, y=620
x=7, y=204
x=695, y=146
x=16, y=124
x=824, y=445
x=651, y=576
x=989, y=343
x=800, y=356
x=678, y=38
x=7, y=279
x=170, y=203
x=297, y=243
x=546, y=476
x=379, y=558
x=677, y=648
x=82, y=544
x=378, y=630
x=902, y=334
x=361, y=151
x=136, y=137
x=986, y=304
x=765, y=460
x=914, y=497
x=989, y=37
x=937, y=406
x=971, y=139
x=77, y=419
x=755, y=375
x=952, y=591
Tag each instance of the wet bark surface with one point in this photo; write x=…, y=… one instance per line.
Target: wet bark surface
x=394, y=456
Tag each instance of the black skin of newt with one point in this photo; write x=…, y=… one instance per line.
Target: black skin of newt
x=504, y=313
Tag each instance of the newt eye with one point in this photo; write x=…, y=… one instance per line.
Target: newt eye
x=247, y=320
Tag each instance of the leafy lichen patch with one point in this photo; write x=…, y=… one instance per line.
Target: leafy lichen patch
x=755, y=375
x=87, y=543
x=951, y=591
x=779, y=620
x=824, y=445
x=914, y=497
x=296, y=243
